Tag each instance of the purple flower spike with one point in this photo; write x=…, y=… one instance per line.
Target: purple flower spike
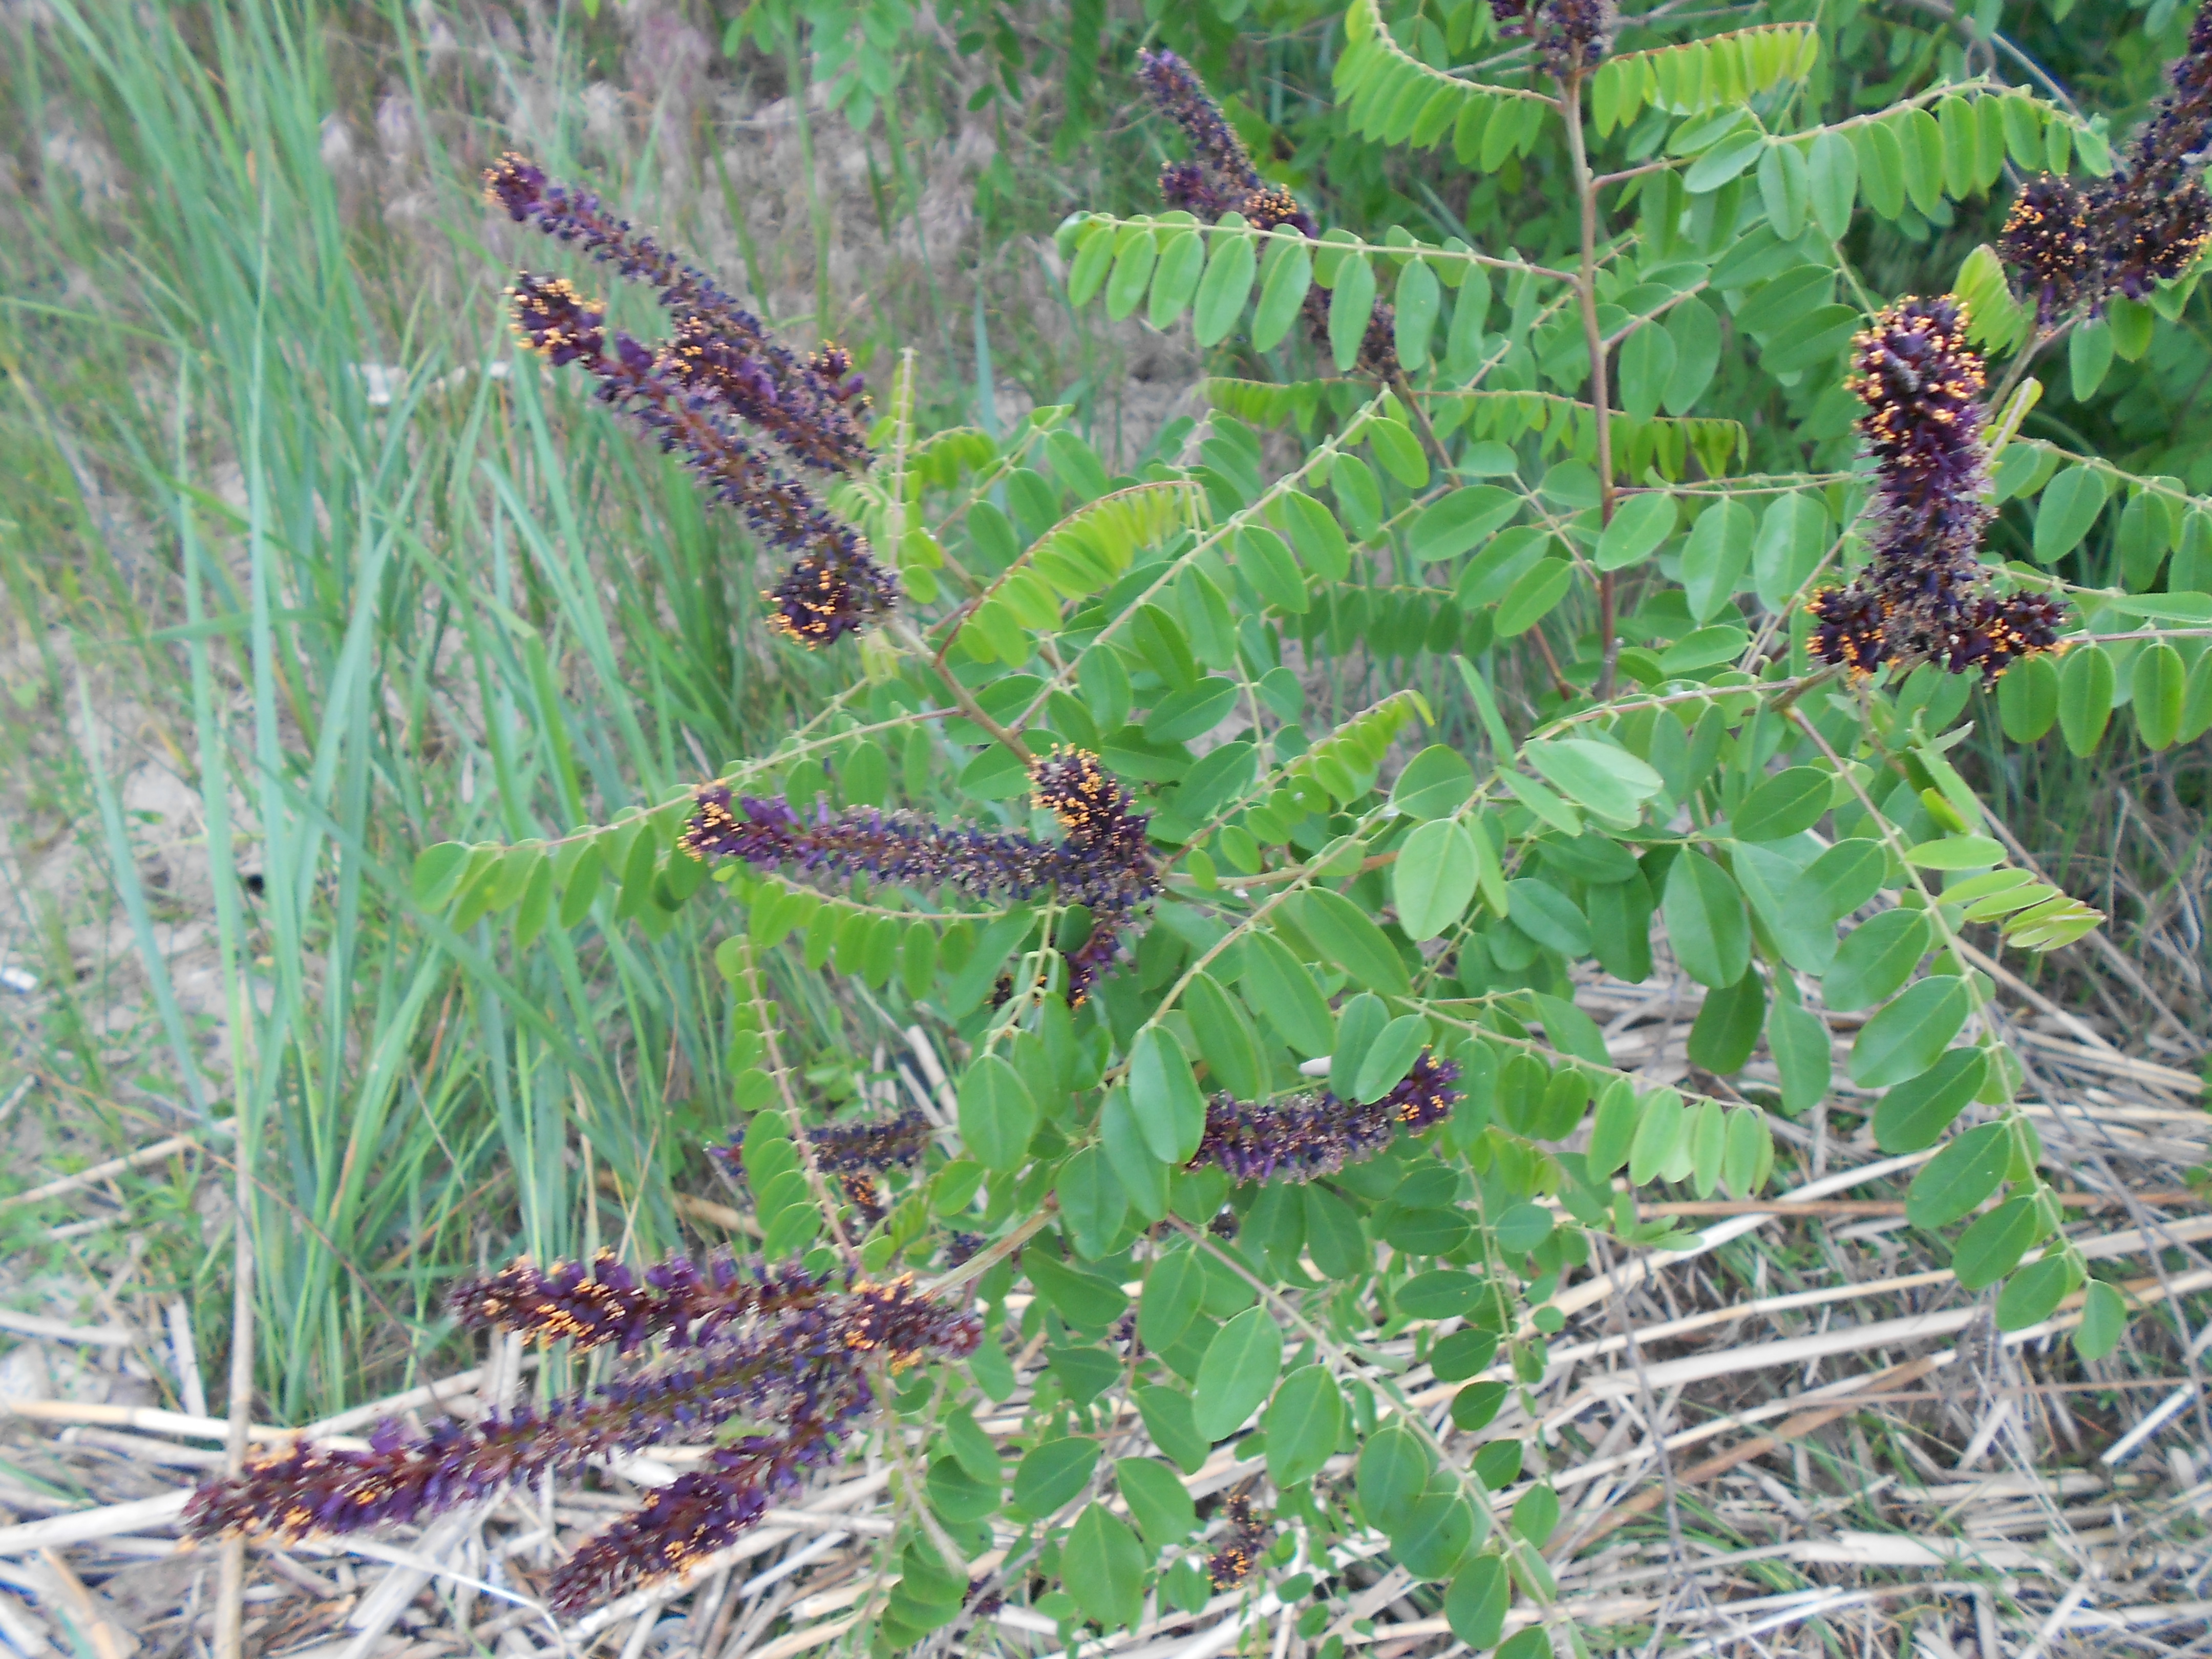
x=2047, y=240
x=821, y=599
x=1570, y=35
x=1305, y=1137
x=1924, y=597
x=806, y=406
x=1104, y=864
x=1219, y=179
x=774, y=1346
x=2144, y=225
x=1239, y=1555
x=852, y=1154
x=835, y=588
x=675, y=1298
x=1222, y=167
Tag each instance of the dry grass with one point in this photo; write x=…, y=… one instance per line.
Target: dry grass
x=1793, y=1435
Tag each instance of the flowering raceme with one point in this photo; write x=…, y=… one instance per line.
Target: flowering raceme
x=692, y=391
x=2072, y=246
x=1924, y=596
x=1248, y=1536
x=1304, y=1137
x=1104, y=863
x=854, y=1154
x=806, y=405
x=1220, y=178
x=1570, y=35
x=772, y=1346
x=2047, y=240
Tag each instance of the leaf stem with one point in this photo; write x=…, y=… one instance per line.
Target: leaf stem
x=1570, y=108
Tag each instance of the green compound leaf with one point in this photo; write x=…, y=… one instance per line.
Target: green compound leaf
x=1798, y=1039
x=1436, y=783
x=1393, y=1472
x=2034, y=1292
x=2104, y=1321
x=1787, y=804
x=1641, y=523
x=1915, y=1113
x=1084, y=1299
x=1715, y=557
x=1134, y=253
x=2068, y=509
x=1164, y=1097
x=1053, y=1473
x=1181, y=262
x=1350, y=304
x=1460, y=520
x=1476, y=1603
x=2160, y=680
x=2086, y=684
x=1876, y=958
x=1346, y=937
x=1534, y=597
x=1282, y=989
x=1226, y=1040
x=1597, y=776
x=1993, y=1246
x=1417, y=298
x=1285, y=276
x=1167, y=1419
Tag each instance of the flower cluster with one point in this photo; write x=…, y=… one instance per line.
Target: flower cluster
x=1102, y=863
x=678, y=1298
x=2047, y=240
x=1924, y=597
x=854, y=1154
x=1570, y=35
x=2072, y=246
x=717, y=373
x=807, y=405
x=780, y=1347
x=1239, y=1555
x=1304, y=1137
x=1219, y=179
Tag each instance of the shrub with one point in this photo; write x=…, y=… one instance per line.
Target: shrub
x=1271, y=1013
